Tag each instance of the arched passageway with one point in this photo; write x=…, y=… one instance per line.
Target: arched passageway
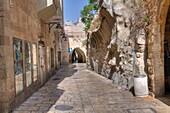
x=161, y=67
x=77, y=56
x=167, y=53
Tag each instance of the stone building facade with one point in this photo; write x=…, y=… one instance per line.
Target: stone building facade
x=28, y=51
x=75, y=43
x=129, y=37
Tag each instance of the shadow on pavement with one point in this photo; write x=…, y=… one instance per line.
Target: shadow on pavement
x=165, y=99
x=45, y=97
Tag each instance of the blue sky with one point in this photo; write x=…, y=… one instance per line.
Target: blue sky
x=72, y=9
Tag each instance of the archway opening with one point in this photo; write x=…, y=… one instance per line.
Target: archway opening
x=77, y=56
x=167, y=54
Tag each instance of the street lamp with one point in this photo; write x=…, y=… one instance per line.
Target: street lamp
x=41, y=43
x=64, y=37
x=51, y=24
x=59, y=27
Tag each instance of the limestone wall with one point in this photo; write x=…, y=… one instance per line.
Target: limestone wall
x=19, y=19
x=76, y=38
x=130, y=40
x=2, y=58
x=157, y=11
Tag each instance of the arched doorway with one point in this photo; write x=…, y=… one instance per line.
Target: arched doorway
x=162, y=72
x=167, y=53
x=155, y=49
x=77, y=56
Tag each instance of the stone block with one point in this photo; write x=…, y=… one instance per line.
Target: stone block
x=116, y=78
x=10, y=83
x=150, y=70
x=9, y=66
x=11, y=95
x=1, y=21
x=150, y=55
x=141, y=39
x=9, y=48
x=2, y=41
x=112, y=61
x=2, y=74
x=1, y=14
x=150, y=40
x=7, y=40
x=3, y=85
x=44, y=108
x=4, y=108
x=159, y=88
x=3, y=96
x=2, y=63
x=157, y=48
x=2, y=51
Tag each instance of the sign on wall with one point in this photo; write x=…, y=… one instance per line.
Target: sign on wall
x=70, y=49
x=28, y=63
x=34, y=62
x=18, y=65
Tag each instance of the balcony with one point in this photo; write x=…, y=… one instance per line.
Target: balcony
x=46, y=8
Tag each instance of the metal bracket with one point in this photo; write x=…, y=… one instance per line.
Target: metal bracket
x=51, y=24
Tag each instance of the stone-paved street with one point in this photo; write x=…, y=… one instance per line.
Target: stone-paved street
x=73, y=89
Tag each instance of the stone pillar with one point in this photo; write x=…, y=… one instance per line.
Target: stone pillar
x=3, y=83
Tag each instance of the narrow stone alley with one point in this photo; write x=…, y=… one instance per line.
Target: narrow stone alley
x=74, y=89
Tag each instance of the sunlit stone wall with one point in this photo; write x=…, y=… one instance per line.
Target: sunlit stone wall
x=124, y=36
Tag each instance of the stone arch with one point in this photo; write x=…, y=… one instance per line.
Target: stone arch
x=78, y=56
x=158, y=62
x=94, y=42
x=163, y=16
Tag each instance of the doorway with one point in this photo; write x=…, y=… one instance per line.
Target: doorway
x=77, y=56
x=42, y=64
x=167, y=54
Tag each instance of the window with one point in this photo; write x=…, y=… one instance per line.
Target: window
x=52, y=57
x=59, y=56
x=18, y=65
x=28, y=64
x=48, y=59
x=34, y=62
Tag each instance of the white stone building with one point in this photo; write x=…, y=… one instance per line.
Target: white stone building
x=75, y=43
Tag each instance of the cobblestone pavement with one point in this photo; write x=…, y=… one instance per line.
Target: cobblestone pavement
x=73, y=89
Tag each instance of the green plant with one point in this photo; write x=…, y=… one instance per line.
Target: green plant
x=145, y=18
x=88, y=12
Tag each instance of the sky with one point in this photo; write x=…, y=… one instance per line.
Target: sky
x=72, y=9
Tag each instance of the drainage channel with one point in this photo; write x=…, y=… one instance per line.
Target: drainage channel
x=54, y=79
x=64, y=107
x=141, y=110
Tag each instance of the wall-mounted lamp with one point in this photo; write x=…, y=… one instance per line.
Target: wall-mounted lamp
x=59, y=27
x=41, y=43
x=51, y=24
x=64, y=37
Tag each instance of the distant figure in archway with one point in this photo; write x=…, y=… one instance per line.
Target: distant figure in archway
x=78, y=56
x=74, y=57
